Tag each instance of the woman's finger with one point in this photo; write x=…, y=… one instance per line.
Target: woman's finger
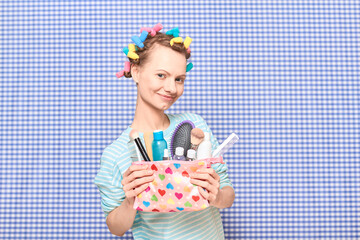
x=210, y=171
x=133, y=168
x=205, y=184
x=136, y=191
x=139, y=174
x=206, y=177
x=207, y=195
x=134, y=174
x=138, y=182
x=203, y=193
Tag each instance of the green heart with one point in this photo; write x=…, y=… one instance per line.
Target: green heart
x=154, y=198
x=161, y=176
x=187, y=204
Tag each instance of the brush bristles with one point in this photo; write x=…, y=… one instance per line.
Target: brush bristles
x=197, y=136
x=133, y=134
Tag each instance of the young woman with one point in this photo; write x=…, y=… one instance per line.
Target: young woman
x=159, y=73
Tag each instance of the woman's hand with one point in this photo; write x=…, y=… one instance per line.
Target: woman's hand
x=207, y=178
x=135, y=180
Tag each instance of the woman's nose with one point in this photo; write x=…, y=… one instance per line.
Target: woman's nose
x=170, y=85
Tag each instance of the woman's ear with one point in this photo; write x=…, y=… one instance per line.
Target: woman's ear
x=135, y=73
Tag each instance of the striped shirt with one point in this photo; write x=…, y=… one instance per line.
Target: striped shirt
x=116, y=159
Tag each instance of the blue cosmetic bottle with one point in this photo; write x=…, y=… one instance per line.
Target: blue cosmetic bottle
x=158, y=145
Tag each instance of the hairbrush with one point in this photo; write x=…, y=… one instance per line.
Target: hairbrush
x=181, y=136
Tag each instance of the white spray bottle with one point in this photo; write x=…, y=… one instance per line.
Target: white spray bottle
x=204, y=149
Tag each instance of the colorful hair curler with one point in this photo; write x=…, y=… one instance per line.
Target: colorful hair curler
x=189, y=67
x=174, y=32
x=132, y=55
x=187, y=42
x=120, y=74
x=177, y=40
x=137, y=41
x=127, y=66
x=131, y=47
x=143, y=36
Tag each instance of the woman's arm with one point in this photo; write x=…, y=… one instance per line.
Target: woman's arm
x=121, y=218
x=225, y=197
x=136, y=179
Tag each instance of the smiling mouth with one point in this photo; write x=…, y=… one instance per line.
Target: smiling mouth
x=167, y=97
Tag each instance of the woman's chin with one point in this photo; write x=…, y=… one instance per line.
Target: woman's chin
x=164, y=106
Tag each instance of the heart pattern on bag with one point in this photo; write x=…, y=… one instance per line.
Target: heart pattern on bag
x=171, y=190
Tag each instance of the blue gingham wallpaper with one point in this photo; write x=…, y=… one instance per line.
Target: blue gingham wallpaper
x=283, y=75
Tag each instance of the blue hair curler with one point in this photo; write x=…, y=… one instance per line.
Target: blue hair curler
x=143, y=36
x=137, y=41
x=175, y=32
x=189, y=67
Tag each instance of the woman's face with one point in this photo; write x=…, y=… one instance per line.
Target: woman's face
x=160, y=81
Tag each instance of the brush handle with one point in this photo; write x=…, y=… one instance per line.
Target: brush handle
x=137, y=152
x=142, y=149
x=148, y=137
x=194, y=147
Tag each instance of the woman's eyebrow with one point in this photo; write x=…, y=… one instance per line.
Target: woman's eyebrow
x=183, y=75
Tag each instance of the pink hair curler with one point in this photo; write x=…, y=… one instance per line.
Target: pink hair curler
x=127, y=66
x=120, y=74
x=148, y=29
x=153, y=30
x=158, y=27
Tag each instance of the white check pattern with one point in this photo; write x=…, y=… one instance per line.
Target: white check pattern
x=283, y=75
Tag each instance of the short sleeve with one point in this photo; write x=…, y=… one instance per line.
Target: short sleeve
x=108, y=180
x=221, y=169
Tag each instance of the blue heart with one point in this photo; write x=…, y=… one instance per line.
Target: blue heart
x=170, y=186
x=177, y=165
x=180, y=208
x=146, y=204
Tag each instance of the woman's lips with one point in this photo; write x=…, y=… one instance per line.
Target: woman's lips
x=166, y=97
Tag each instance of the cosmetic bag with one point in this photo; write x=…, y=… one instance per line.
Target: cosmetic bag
x=171, y=190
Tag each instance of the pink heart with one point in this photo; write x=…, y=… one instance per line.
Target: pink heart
x=169, y=171
x=139, y=209
x=147, y=189
x=178, y=195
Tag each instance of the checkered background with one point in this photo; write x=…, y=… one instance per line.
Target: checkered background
x=283, y=75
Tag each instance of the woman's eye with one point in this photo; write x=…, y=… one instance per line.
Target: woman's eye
x=180, y=80
x=160, y=75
